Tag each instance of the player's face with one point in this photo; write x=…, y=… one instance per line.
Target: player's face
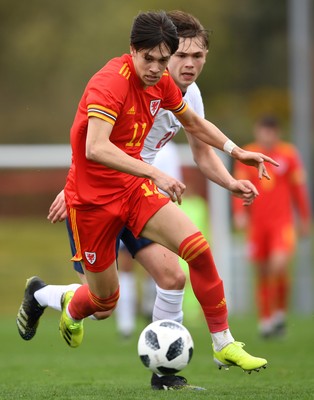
x=150, y=64
x=188, y=61
x=266, y=136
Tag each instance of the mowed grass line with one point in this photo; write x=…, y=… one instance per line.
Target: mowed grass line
x=106, y=367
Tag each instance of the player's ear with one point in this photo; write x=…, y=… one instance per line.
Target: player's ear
x=206, y=52
x=132, y=51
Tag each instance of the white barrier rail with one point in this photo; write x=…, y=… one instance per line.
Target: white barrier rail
x=55, y=156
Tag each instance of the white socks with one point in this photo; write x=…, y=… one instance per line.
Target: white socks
x=168, y=305
x=126, y=307
x=221, y=339
x=50, y=295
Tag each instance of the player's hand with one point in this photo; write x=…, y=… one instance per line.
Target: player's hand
x=173, y=187
x=57, y=210
x=254, y=159
x=245, y=190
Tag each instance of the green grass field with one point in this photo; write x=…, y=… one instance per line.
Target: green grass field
x=104, y=366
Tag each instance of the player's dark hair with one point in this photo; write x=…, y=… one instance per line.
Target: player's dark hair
x=189, y=26
x=268, y=121
x=152, y=29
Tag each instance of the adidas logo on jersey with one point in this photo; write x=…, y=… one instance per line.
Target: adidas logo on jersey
x=131, y=111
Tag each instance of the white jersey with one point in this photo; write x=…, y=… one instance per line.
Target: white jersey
x=166, y=125
x=168, y=161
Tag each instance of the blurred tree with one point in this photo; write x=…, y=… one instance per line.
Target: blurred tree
x=50, y=49
x=248, y=60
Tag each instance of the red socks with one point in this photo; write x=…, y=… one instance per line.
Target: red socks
x=265, y=297
x=206, y=283
x=272, y=295
x=282, y=292
x=85, y=303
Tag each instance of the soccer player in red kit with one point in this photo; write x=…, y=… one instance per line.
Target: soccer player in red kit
x=270, y=223
x=109, y=186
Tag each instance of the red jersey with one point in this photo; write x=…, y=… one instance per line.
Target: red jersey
x=116, y=95
x=278, y=197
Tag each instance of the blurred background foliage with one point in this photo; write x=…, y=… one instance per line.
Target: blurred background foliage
x=49, y=49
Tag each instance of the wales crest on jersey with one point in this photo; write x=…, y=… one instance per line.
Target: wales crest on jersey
x=154, y=106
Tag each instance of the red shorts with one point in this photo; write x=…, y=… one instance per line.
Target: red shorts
x=264, y=241
x=95, y=229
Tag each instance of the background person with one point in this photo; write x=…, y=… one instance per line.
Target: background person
x=272, y=222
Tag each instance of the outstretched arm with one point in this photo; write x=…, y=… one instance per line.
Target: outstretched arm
x=210, y=134
x=214, y=169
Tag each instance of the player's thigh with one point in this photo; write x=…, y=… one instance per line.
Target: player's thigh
x=281, y=247
x=169, y=226
x=279, y=261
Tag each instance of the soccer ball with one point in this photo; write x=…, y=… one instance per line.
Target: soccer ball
x=165, y=347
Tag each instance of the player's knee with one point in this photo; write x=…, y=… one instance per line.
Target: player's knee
x=180, y=280
x=173, y=281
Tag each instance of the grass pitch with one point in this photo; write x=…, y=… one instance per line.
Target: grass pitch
x=106, y=367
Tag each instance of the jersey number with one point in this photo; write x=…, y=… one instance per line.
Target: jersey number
x=168, y=136
x=137, y=137
x=150, y=191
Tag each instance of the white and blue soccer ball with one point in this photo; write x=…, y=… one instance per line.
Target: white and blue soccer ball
x=165, y=347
